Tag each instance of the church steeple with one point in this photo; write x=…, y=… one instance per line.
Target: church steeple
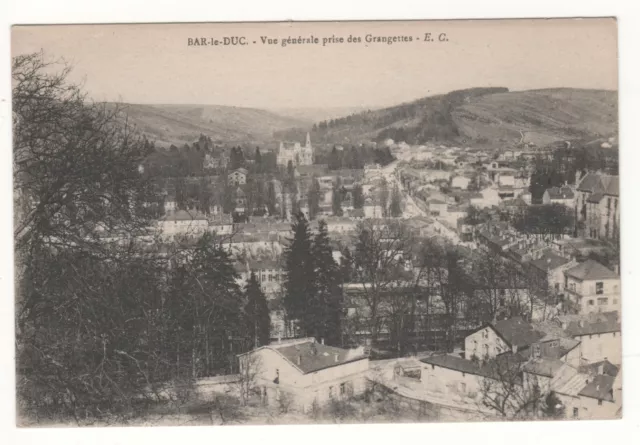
x=308, y=142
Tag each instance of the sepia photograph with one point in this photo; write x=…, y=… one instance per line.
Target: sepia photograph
x=296, y=222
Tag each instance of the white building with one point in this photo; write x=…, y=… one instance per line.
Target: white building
x=183, y=222
x=591, y=287
x=297, y=154
x=304, y=372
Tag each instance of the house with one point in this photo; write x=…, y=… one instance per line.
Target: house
x=597, y=204
x=183, y=222
x=340, y=225
x=237, y=177
x=371, y=210
x=305, y=372
x=269, y=273
x=591, y=287
x=550, y=268
x=559, y=195
x=595, y=392
x=599, y=335
x=460, y=182
x=437, y=207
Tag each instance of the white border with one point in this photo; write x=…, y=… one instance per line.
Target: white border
x=127, y=11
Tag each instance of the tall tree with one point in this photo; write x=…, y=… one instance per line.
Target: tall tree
x=256, y=311
x=271, y=198
x=258, y=160
x=383, y=197
x=395, y=208
x=299, y=281
x=326, y=304
x=336, y=199
x=358, y=197
x=313, y=198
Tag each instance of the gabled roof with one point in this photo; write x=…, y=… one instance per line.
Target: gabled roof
x=594, y=368
x=546, y=367
x=488, y=368
x=600, y=183
x=244, y=171
x=549, y=261
x=517, y=332
x=600, y=388
x=184, y=215
x=595, y=323
x=311, y=356
x=591, y=270
x=560, y=193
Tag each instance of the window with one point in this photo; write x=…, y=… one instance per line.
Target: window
x=599, y=288
x=572, y=286
x=463, y=387
x=590, y=302
x=575, y=412
x=557, y=287
x=485, y=333
x=331, y=391
x=599, y=401
x=603, y=301
x=342, y=389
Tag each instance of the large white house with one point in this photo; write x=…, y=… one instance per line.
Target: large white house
x=304, y=371
x=592, y=287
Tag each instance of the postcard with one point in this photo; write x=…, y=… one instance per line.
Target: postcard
x=316, y=222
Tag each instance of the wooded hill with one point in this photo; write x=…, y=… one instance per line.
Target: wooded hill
x=177, y=124
x=483, y=116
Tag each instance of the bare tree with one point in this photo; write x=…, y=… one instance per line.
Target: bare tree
x=250, y=370
x=380, y=265
x=504, y=390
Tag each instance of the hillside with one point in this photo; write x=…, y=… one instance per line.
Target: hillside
x=177, y=124
x=482, y=116
x=319, y=114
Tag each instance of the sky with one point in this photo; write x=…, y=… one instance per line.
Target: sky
x=155, y=64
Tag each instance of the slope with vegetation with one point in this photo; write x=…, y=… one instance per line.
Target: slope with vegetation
x=480, y=116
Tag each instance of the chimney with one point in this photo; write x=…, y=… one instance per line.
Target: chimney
x=600, y=369
x=279, y=339
x=322, y=341
x=299, y=360
x=335, y=356
x=581, y=323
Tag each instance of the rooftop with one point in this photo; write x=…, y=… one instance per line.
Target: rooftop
x=517, y=332
x=600, y=388
x=595, y=323
x=560, y=193
x=546, y=367
x=591, y=270
x=311, y=356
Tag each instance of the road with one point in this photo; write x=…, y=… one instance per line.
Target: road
x=411, y=209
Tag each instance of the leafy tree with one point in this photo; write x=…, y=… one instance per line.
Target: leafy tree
x=256, y=310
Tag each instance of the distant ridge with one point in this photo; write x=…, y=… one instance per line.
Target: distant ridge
x=480, y=116
x=179, y=124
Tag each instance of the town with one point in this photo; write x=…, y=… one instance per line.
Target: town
x=452, y=258
x=529, y=309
